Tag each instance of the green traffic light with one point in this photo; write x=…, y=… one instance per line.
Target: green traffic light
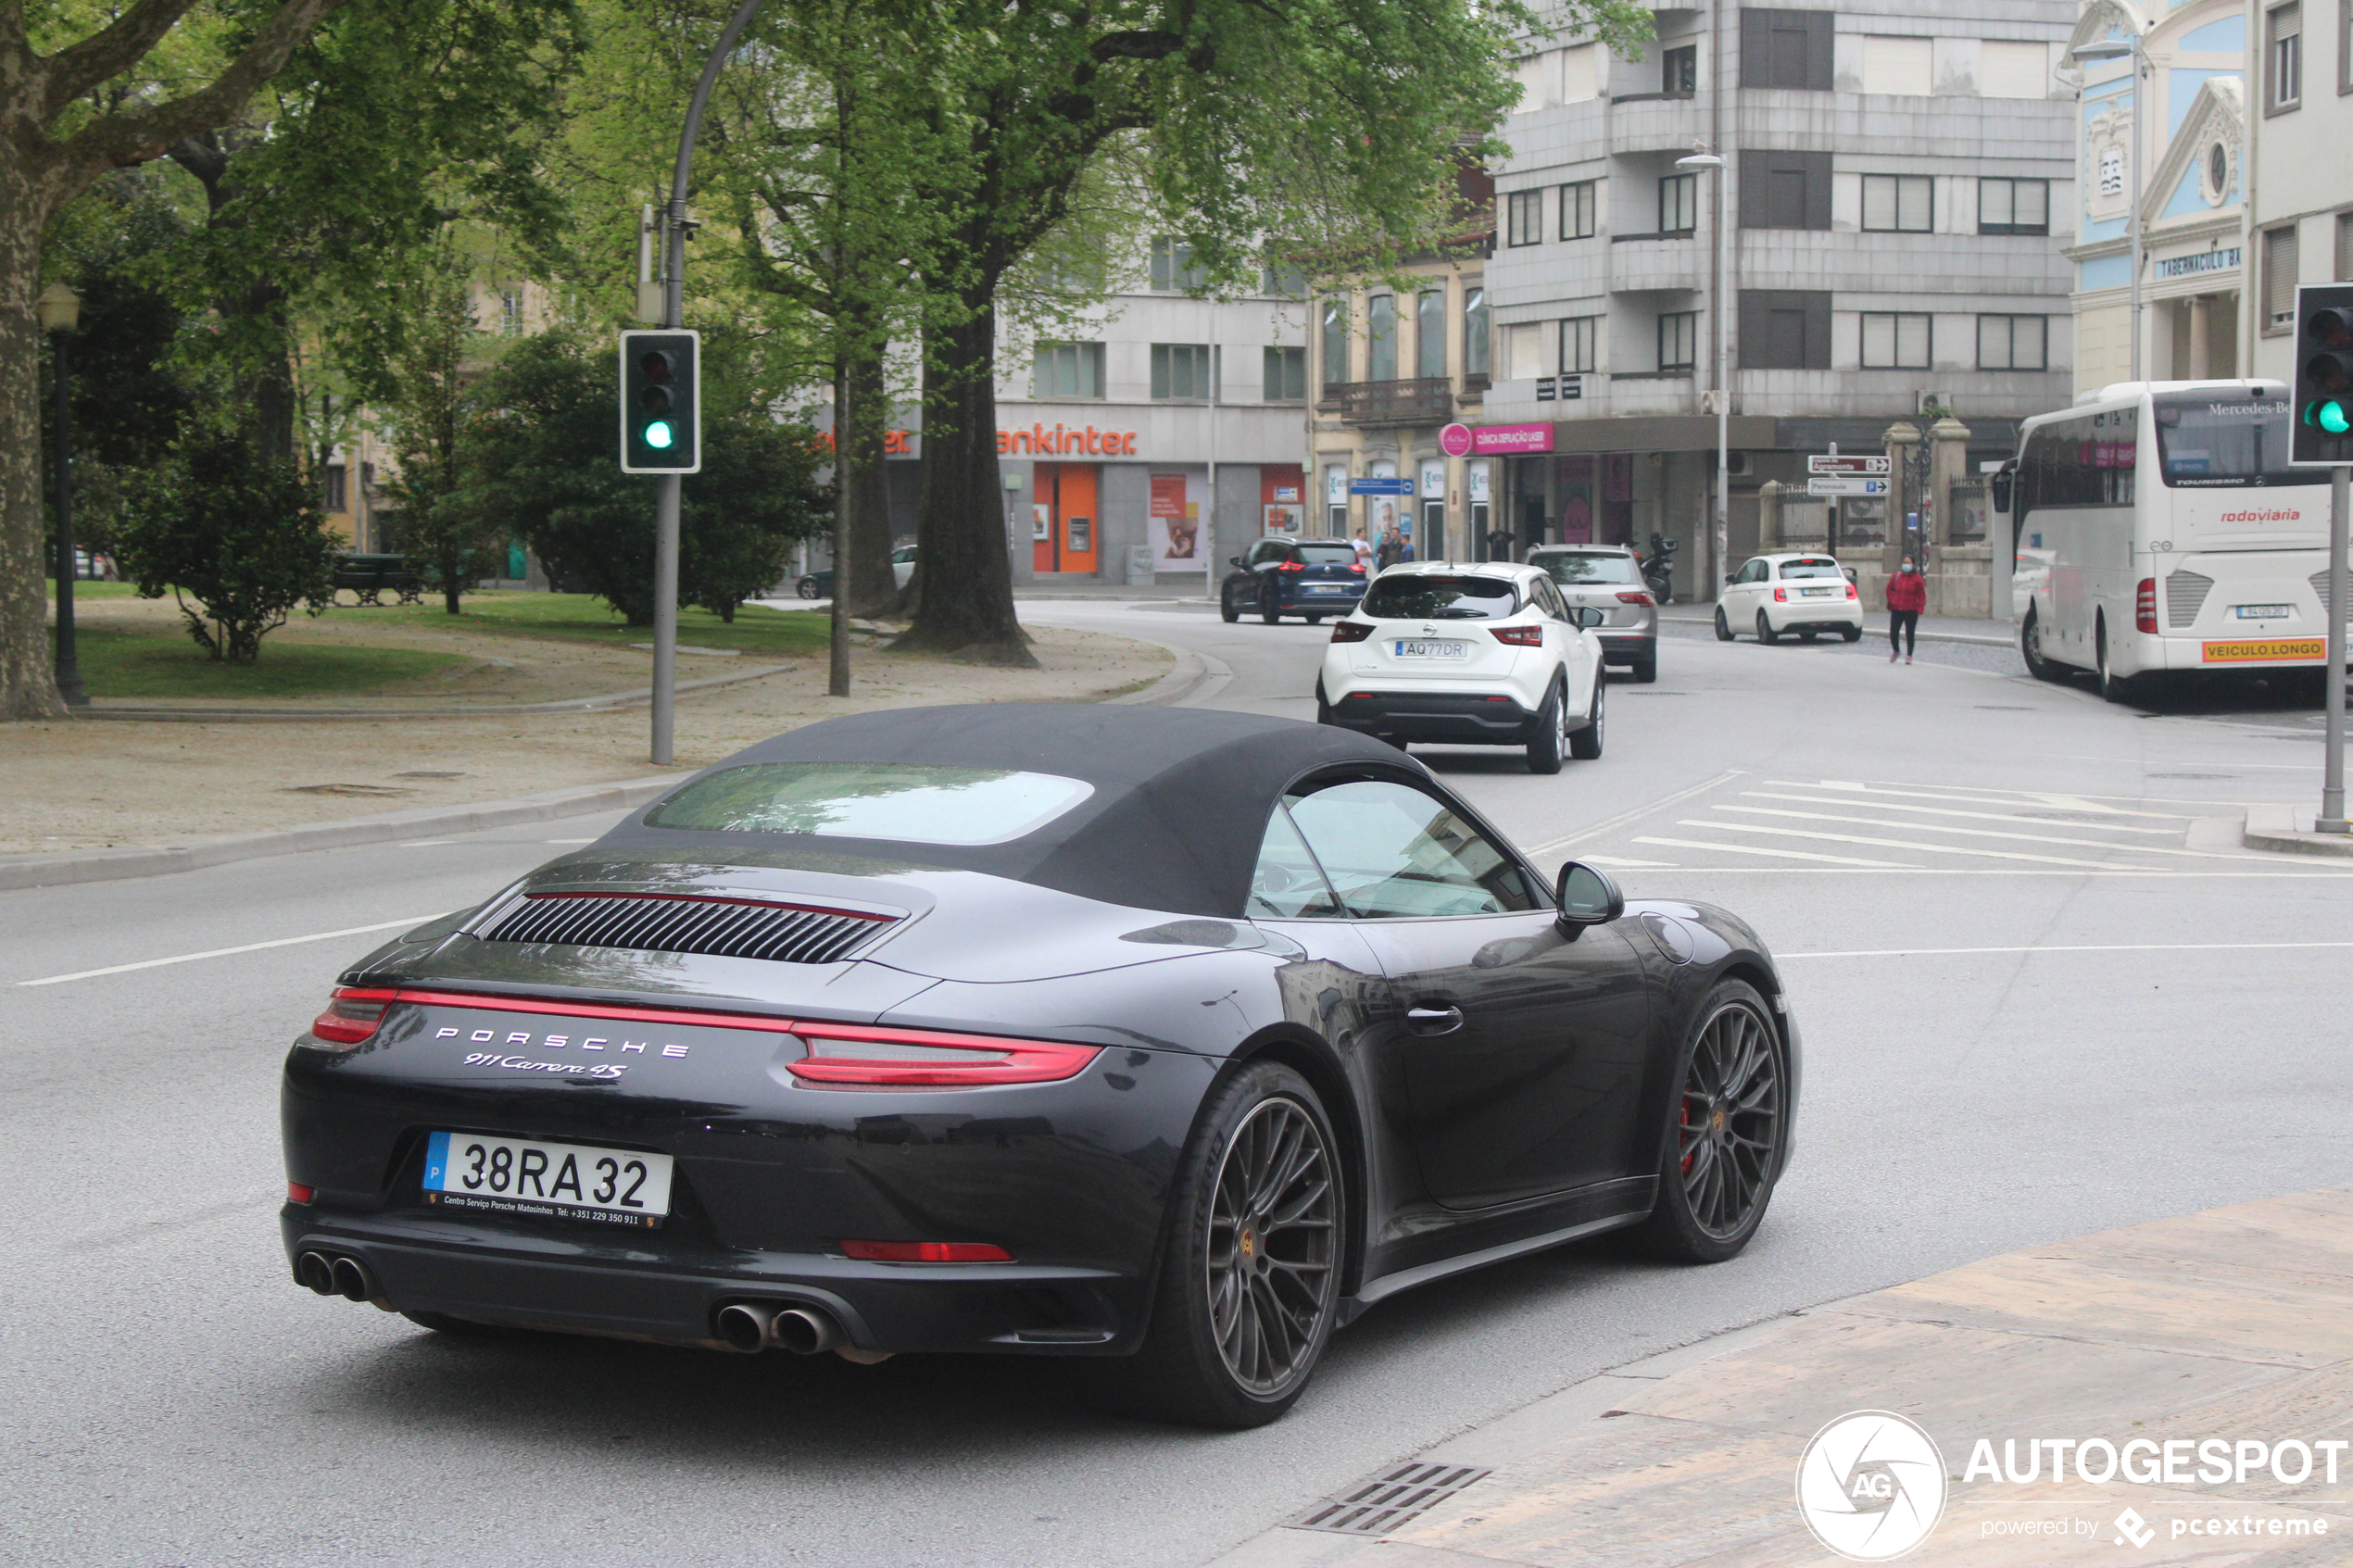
x=658, y=434
x=2332, y=417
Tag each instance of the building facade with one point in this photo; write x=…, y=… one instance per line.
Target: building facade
x=2301, y=183
x=1898, y=181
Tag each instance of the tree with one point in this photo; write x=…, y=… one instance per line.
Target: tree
x=427, y=414
x=58, y=133
x=230, y=525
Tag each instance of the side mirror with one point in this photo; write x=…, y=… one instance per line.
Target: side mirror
x=2001, y=488
x=1585, y=897
x=1588, y=617
x=1728, y=579
x=1233, y=560
x=1850, y=572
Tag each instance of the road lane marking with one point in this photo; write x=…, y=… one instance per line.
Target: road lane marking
x=1777, y=854
x=225, y=952
x=1984, y=832
x=2100, y=948
x=571, y=841
x=1877, y=805
x=1625, y=817
x=2053, y=799
x=426, y=842
x=1892, y=843
x=1625, y=865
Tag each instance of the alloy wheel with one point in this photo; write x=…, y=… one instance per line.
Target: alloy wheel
x=1730, y=1121
x=1272, y=1244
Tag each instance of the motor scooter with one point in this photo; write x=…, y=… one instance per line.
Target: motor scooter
x=1658, y=569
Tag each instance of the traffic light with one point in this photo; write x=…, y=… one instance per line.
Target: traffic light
x=2323, y=374
x=660, y=402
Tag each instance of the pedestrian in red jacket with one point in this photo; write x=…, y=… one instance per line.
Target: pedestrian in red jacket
x=1906, y=596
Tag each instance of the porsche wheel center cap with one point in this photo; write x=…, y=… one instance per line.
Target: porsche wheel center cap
x=1249, y=1243
x=1717, y=1122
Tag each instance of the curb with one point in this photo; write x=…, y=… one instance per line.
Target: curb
x=113, y=865
x=1964, y=638
x=2273, y=828
x=489, y=710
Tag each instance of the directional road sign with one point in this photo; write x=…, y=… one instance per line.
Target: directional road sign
x=1843, y=485
x=1381, y=486
x=1856, y=465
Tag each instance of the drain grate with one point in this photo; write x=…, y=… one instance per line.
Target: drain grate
x=1396, y=1495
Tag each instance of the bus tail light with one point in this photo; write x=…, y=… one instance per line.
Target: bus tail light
x=2145, y=606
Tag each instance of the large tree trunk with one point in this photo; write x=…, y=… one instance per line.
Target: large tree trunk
x=27, y=673
x=869, y=584
x=966, y=607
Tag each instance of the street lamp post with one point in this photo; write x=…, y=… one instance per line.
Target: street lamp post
x=1722, y=543
x=2110, y=49
x=60, y=310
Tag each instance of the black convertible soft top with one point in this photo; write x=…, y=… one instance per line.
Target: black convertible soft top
x=1180, y=803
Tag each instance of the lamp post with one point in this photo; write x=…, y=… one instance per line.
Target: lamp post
x=2110, y=49
x=60, y=310
x=1721, y=545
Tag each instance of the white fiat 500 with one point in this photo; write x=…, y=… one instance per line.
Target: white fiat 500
x=1459, y=654
x=1774, y=596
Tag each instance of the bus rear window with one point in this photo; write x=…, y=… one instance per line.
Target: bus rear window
x=2218, y=443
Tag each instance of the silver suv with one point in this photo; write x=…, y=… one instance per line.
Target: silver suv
x=1609, y=578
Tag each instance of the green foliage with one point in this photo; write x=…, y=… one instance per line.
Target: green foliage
x=427, y=414
x=221, y=523
x=540, y=457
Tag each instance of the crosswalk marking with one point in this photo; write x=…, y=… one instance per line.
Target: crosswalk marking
x=1782, y=854
x=1877, y=805
x=1891, y=843
x=1983, y=832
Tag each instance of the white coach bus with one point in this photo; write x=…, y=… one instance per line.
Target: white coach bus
x=2167, y=532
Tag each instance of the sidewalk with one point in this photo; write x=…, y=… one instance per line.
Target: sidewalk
x=2228, y=1328
x=1933, y=629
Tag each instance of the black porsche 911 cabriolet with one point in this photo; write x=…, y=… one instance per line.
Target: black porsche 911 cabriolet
x=1164, y=1034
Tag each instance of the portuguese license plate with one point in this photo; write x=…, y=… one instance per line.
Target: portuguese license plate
x=2265, y=612
x=1432, y=650
x=1815, y=592
x=1326, y=588
x=560, y=1181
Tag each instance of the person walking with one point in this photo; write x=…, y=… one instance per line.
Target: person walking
x=1906, y=596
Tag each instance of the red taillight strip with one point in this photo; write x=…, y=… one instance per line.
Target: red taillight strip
x=591, y=1009
x=1010, y=1061
x=718, y=898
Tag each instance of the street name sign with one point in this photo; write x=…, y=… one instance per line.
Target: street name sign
x=1844, y=465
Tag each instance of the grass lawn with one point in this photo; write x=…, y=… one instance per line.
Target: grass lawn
x=757, y=630
x=165, y=662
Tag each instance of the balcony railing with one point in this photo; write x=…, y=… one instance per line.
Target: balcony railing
x=1424, y=400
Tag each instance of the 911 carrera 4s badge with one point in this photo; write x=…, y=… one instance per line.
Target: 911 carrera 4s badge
x=543, y=1180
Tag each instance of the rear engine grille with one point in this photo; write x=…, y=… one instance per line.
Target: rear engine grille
x=731, y=928
x=2320, y=592
x=2185, y=594
x=1376, y=1506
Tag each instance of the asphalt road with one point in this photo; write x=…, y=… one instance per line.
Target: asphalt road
x=2042, y=992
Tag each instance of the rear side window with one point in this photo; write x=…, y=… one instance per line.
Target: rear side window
x=1336, y=552
x=1579, y=566
x=1422, y=596
x=909, y=803
x=1823, y=568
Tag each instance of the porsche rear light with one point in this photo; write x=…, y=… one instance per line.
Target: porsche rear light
x=927, y=1252
x=871, y=1057
x=1636, y=597
x=298, y=1193
x=1781, y=596
x=1292, y=566
x=1519, y=636
x=352, y=1015
x=1351, y=631
x=2145, y=606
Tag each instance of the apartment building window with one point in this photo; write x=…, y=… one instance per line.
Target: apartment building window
x=1429, y=333
x=1523, y=352
x=1898, y=203
x=1183, y=371
x=1283, y=280
x=339, y=493
x=1381, y=338
x=1067, y=370
x=1678, y=204
x=1577, y=337
x=1679, y=71
x=1524, y=217
x=1332, y=332
x=1286, y=376
x=1577, y=209
x=2279, y=279
x=1173, y=267
x=1785, y=189
x=2013, y=342
x=2345, y=248
x=511, y=311
x=2284, y=58
x=1677, y=339
x=1786, y=48
x=1477, y=351
x=1895, y=341
x=2013, y=206
x=1785, y=329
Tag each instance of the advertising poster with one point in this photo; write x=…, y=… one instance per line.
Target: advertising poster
x=1283, y=517
x=1173, y=523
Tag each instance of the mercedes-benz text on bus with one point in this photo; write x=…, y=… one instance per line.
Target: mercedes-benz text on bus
x=2175, y=534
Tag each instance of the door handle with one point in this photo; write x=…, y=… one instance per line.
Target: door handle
x=1434, y=1020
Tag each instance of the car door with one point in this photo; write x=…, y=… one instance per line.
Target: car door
x=1522, y=1048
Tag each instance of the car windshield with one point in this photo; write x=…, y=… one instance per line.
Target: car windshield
x=2218, y=442
x=1414, y=596
x=909, y=803
x=1332, y=552
x=1823, y=568
x=1583, y=566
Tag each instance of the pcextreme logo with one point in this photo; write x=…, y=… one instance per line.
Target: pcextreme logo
x=1871, y=1485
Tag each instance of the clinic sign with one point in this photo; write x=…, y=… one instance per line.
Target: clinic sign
x=1506, y=440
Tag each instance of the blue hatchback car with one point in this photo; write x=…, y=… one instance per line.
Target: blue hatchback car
x=1313, y=578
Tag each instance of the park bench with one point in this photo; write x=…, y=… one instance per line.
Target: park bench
x=370, y=577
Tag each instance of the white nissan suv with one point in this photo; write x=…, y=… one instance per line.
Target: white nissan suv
x=1458, y=655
